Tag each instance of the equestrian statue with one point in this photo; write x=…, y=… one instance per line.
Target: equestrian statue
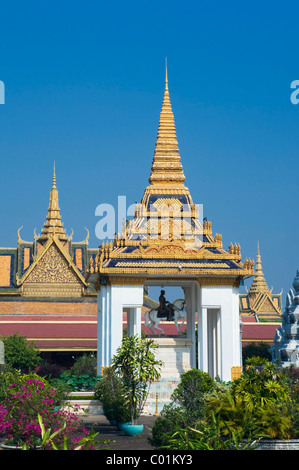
x=166, y=311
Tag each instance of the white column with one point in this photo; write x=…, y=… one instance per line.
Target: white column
x=225, y=299
x=202, y=339
x=218, y=351
x=103, y=326
x=137, y=321
x=133, y=321
x=214, y=343
x=190, y=310
x=194, y=312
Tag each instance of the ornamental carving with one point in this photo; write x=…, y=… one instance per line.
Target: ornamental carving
x=52, y=268
x=171, y=249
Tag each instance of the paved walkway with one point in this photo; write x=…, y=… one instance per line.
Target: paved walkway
x=121, y=442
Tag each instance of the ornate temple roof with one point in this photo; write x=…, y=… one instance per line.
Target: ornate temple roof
x=259, y=284
x=166, y=235
x=51, y=266
x=259, y=299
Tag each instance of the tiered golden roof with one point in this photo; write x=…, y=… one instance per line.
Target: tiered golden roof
x=53, y=224
x=166, y=236
x=259, y=299
x=259, y=284
x=167, y=169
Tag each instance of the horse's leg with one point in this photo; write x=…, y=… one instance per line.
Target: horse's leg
x=151, y=323
x=176, y=324
x=157, y=328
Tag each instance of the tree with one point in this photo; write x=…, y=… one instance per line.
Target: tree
x=20, y=354
x=256, y=349
x=137, y=365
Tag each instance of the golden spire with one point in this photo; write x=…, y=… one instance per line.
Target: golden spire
x=53, y=224
x=258, y=284
x=167, y=168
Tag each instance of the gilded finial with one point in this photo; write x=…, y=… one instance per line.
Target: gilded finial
x=54, y=178
x=166, y=78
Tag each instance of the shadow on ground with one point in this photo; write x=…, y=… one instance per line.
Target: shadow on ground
x=120, y=441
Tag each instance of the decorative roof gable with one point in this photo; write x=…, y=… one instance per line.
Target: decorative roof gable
x=52, y=273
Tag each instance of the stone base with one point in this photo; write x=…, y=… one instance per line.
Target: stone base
x=160, y=394
x=175, y=355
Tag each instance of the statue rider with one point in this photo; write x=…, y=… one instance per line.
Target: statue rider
x=165, y=310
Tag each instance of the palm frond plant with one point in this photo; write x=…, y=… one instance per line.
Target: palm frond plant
x=137, y=365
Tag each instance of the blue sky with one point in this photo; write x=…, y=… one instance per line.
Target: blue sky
x=84, y=84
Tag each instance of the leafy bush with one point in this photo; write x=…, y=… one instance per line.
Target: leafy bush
x=208, y=436
x=25, y=400
x=110, y=392
x=78, y=383
x=191, y=390
x=206, y=414
x=20, y=354
x=291, y=375
x=186, y=408
x=48, y=370
x=6, y=379
x=259, y=402
x=85, y=365
x=256, y=350
x=172, y=419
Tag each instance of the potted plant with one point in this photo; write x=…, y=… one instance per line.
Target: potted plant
x=136, y=364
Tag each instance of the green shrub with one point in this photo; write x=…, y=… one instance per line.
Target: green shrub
x=256, y=349
x=48, y=370
x=20, y=354
x=190, y=392
x=7, y=377
x=85, y=365
x=208, y=436
x=186, y=408
x=78, y=383
x=110, y=392
x=259, y=402
x=172, y=419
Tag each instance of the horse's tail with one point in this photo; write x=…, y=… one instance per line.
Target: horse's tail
x=146, y=318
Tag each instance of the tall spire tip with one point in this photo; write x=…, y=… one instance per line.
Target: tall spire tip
x=166, y=78
x=54, y=177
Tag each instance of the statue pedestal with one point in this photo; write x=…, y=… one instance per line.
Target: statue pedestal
x=175, y=355
x=176, y=358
